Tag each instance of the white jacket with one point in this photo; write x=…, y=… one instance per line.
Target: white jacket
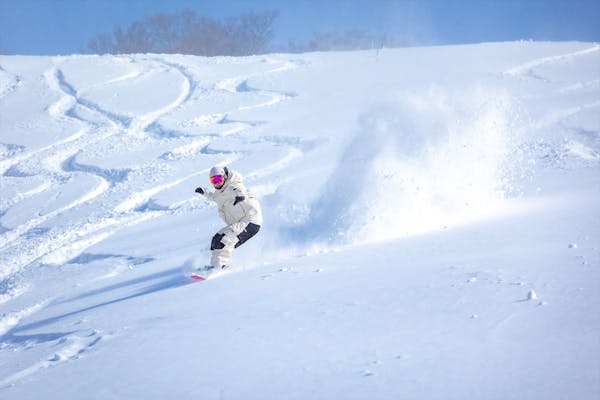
x=236, y=216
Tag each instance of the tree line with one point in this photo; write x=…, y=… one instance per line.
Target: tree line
x=250, y=33
x=189, y=33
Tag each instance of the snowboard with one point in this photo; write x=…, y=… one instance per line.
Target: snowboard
x=196, y=269
x=207, y=273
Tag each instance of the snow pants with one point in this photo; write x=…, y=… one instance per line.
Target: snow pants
x=224, y=241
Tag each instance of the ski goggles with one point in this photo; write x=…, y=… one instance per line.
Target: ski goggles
x=215, y=180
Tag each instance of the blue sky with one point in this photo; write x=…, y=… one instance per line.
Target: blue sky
x=65, y=26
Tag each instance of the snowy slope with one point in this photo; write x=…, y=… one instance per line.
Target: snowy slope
x=431, y=225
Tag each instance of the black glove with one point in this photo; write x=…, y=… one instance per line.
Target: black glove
x=238, y=199
x=200, y=190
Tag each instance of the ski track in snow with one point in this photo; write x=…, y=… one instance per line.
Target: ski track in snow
x=58, y=163
x=70, y=347
x=8, y=321
x=9, y=82
x=528, y=69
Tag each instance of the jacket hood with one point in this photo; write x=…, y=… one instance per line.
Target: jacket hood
x=234, y=178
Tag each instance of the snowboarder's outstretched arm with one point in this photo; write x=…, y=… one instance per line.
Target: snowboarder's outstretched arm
x=209, y=195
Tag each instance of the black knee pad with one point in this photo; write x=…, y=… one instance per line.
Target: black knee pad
x=249, y=232
x=216, y=243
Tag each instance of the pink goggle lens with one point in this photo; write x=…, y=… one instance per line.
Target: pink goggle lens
x=216, y=179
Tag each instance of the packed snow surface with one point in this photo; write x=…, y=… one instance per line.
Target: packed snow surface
x=432, y=225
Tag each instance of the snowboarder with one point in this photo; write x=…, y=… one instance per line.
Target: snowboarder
x=237, y=207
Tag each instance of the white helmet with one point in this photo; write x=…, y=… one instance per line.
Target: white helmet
x=222, y=171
